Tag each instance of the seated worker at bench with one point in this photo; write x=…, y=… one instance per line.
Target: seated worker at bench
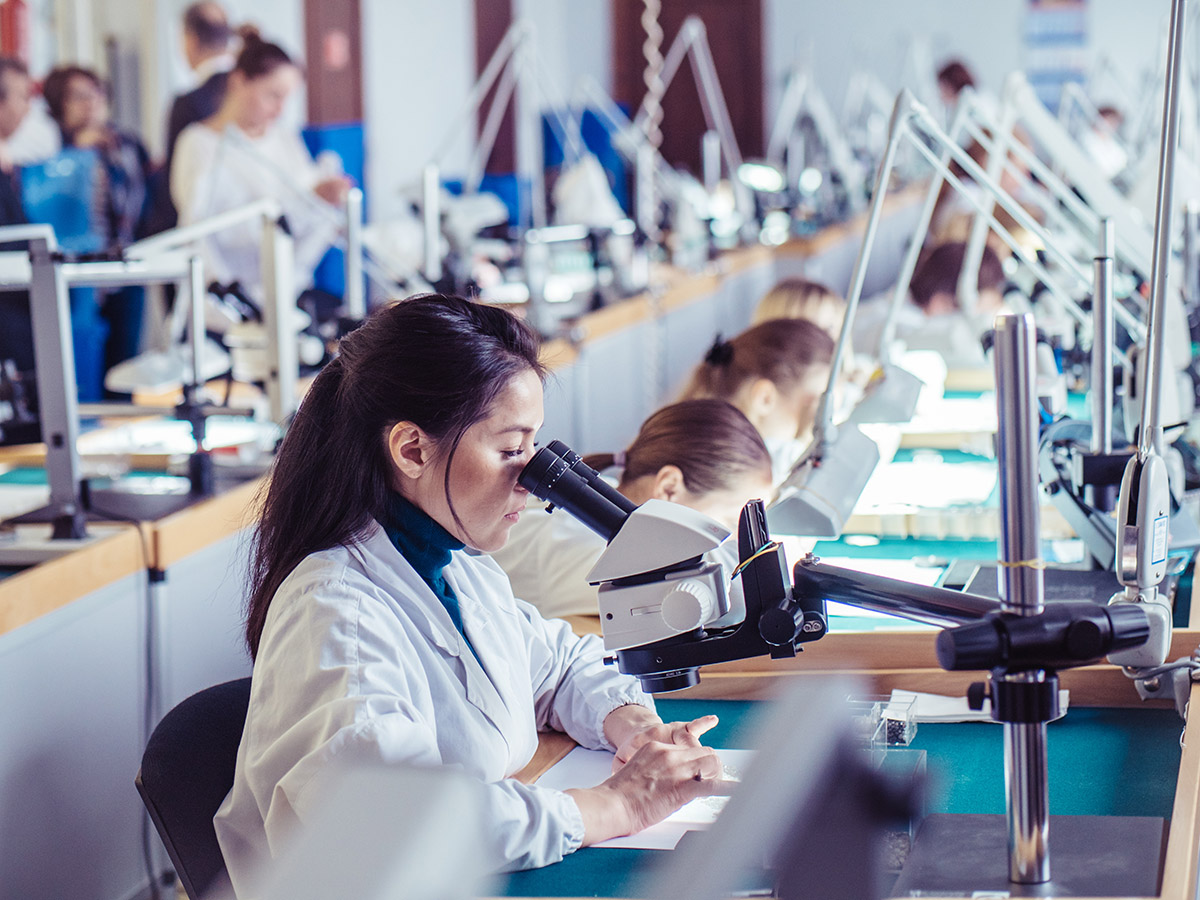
x=381, y=635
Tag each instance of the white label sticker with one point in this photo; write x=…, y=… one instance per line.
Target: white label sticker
x=1159, y=551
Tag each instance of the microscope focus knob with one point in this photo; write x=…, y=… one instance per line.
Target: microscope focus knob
x=688, y=606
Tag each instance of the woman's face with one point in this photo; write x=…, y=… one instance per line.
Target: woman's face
x=483, y=473
x=258, y=102
x=783, y=414
x=806, y=397
x=84, y=105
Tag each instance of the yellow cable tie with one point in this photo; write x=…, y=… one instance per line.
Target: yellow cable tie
x=1022, y=564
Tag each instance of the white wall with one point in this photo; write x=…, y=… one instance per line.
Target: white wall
x=418, y=67
x=1133, y=38
x=573, y=39
x=834, y=40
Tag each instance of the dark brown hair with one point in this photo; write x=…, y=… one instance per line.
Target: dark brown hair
x=54, y=88
x=956, y=76
x=938, y=270
x=710, y=441
x=783, y=351
x=433, y=360
x=259, y=57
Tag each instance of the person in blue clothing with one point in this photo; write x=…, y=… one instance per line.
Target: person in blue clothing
x=78, y=101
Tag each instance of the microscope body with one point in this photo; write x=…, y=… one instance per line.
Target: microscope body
x=660, y=601
x=653, y=580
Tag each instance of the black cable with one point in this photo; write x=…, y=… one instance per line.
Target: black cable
x=148, y=673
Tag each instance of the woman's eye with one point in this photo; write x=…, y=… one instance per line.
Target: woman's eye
x=512, y=454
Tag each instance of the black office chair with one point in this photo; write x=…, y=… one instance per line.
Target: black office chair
x=186, y=772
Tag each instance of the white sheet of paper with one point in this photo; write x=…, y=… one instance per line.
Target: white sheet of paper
x=956, y=415
x=587, y=768
x=940, y=708
x=928, y=484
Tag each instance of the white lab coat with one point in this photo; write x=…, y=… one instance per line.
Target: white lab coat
x=359, y=661
x=950, y=334
x=213, y=172
x=548, y=557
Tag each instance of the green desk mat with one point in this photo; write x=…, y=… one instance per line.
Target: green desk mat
x=23, y=476
x=908, y=548
x=1078, y=405
x=1101, y=762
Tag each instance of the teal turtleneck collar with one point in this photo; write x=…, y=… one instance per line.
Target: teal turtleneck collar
x=427, y=546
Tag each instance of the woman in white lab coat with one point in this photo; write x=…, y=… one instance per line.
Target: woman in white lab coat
x=774, y=372
x=703, y=454
x=381, y=635
x=243, y=154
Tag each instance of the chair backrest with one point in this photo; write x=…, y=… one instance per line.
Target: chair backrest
x=186, y=772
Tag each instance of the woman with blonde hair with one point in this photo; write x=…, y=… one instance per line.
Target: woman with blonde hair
x=800, y=298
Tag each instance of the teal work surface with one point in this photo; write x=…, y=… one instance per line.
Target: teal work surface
x=1101, y=762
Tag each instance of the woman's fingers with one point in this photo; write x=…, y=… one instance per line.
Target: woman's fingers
x=661, y=777
x=699, y=726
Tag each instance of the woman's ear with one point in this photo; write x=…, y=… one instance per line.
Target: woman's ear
x=410, y=449
x=764, y=396
x=668, y=484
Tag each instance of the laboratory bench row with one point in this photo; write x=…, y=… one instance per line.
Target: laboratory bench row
x=97, y=644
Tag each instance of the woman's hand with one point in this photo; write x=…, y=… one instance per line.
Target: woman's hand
x=656, y=780
x=333, y=190
x=680, y=734
x=628, y=728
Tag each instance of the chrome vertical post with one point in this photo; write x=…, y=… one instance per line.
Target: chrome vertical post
x=355, y=298
x=431, y=219
x=279, y=317
x=1103, y=336
x=1191, y=253
x=54, y=354
x=1025, y=781
x=198, y=291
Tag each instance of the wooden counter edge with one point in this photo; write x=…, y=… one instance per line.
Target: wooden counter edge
x=1180, y=860
x=199, y=526
x=811, y=244
x=49, y=586
x=552, y=746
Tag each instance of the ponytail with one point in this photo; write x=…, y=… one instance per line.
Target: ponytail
x=259, y=57
x=601, y=461
x=783, y=351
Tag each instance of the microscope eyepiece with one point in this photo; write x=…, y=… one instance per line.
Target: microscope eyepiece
x=558, y=475
x=591, y=476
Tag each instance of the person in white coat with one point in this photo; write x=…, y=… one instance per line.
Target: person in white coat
x=242, y=154
x=775, y=373
x=703, y=454
x=931, y=317
x=380, y=633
